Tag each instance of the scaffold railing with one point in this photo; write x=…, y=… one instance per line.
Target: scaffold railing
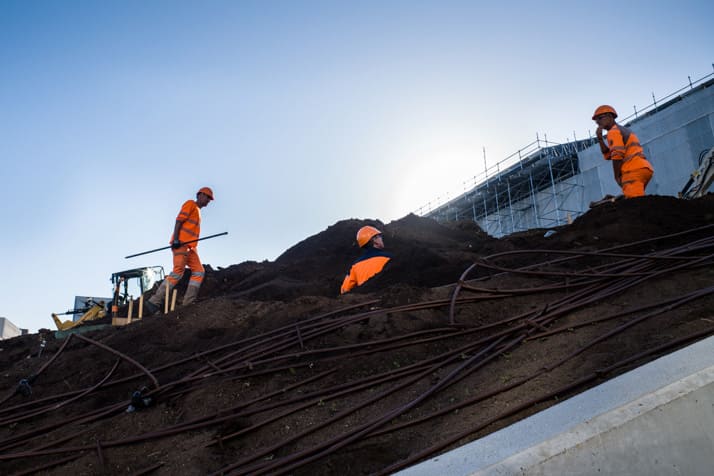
x=519, y=159
x=657, y=104
x=537, y=186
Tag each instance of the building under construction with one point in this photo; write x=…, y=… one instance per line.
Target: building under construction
x=545, y=184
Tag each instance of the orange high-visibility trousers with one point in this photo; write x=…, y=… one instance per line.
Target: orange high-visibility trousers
x=635, y=181
x=183, y=257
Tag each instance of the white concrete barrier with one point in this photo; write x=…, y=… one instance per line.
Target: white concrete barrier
x=655, y=420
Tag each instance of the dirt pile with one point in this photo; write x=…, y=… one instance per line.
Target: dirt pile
x=272, y=372
x=426, y=254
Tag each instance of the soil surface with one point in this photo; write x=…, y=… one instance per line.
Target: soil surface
x=273, y=372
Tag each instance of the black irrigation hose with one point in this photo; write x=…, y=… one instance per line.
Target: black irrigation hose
x=548, y=396
x=38, y=373
x=282, y=461
x=311, y=454
x=462, y=279
x=670, y=304
x=63, y=403
x=121, y=355
x=291, y=344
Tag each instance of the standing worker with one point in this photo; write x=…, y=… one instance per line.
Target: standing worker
x=632, y=170
x=186, y=229
x=371, y=261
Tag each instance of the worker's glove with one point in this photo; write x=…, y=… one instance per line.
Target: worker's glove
x=176, y=244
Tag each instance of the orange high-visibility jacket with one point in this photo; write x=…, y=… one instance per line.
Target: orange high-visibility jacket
x=625, y=146
x=190, y=216
x=370, y=263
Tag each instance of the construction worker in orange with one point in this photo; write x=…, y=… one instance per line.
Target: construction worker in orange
x=632, y=170
x=371, y=261
x=186, y=230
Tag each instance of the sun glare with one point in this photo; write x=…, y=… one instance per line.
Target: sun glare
x=429, y=180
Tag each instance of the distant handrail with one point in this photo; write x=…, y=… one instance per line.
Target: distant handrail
x=515, y=158
x=535, y=146
x=654, y=105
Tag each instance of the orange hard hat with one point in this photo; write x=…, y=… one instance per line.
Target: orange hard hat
x=207, y=191
x=604, y=109
x=365, y=234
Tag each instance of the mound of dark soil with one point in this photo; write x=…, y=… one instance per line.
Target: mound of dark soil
x=273, y=372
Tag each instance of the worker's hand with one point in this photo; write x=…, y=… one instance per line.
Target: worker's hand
x=176, y=244
x=598, y=132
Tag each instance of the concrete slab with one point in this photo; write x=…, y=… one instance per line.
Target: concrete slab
x=79, y=330
x=656, y=419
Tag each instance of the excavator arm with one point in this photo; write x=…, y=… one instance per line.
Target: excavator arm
x=702, y=178
x=96, y=312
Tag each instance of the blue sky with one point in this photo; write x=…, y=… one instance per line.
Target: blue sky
x=297, y=113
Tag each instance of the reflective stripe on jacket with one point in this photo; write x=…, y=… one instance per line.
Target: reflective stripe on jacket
x=369, y=264
x=190, y=216
x=625, y=146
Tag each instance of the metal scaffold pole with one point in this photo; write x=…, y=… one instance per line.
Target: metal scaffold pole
x=555, y=194
x=510, y=205
x=533, y=198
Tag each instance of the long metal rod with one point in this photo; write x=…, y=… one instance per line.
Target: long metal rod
x=183, y=243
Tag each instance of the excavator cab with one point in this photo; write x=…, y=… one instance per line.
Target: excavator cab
x=126, y=284
x=135, y=282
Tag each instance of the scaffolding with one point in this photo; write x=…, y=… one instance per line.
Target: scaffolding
x=534, y=192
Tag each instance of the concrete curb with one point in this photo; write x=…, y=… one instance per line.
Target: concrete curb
x=656, y=419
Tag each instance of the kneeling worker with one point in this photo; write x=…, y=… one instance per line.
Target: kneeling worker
x=370, y=263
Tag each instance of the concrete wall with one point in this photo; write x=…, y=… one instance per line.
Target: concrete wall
x=655, y=420
x=670, y=431
x=8, y=329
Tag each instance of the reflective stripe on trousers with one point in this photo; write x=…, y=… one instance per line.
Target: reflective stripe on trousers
x=183, y=257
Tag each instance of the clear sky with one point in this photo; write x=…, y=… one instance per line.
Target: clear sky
x=297, y=113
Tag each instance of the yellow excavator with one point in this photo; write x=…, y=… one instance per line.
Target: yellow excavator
x=125, y=284
x=97, y=310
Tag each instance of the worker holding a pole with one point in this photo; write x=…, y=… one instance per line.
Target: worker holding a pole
x=184, y=242
x=632, y=170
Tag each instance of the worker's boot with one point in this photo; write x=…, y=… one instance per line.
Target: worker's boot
x=153, y=304
x=191, y=294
